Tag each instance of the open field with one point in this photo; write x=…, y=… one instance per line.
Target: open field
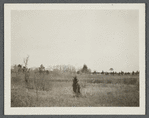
x=56, y=91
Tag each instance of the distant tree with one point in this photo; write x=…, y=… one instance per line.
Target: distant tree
x=84, y=69
x=25, y=69
x=133, y=72
x=122, y=73
x=102, y=72
x=126, y=73
x=26, y=61
x=41, y=68
x=94, y=72
x=19, y=68
x=15, y=69
x=137, y=73
x=111, y=69
x=89, y=71
x=47, y=72
x=119, y=73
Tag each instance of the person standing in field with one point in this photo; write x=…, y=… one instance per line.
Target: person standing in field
x=76, y=86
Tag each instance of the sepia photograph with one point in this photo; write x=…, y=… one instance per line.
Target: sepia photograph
x=77, y=57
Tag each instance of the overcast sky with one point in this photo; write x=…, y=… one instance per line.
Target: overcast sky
x=101, y=39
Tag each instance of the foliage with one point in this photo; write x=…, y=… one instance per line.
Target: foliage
x=85, y=69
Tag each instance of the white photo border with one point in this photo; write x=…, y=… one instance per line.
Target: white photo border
x=8, y=110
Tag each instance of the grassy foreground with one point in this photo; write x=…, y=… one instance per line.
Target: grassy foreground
x=56, y=91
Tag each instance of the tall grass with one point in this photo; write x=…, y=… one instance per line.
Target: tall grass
x=31, y=94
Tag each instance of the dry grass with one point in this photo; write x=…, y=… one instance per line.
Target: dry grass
x=96, y=90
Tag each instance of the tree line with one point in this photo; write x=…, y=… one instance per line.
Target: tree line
x=117, y=73
x=68, y=69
